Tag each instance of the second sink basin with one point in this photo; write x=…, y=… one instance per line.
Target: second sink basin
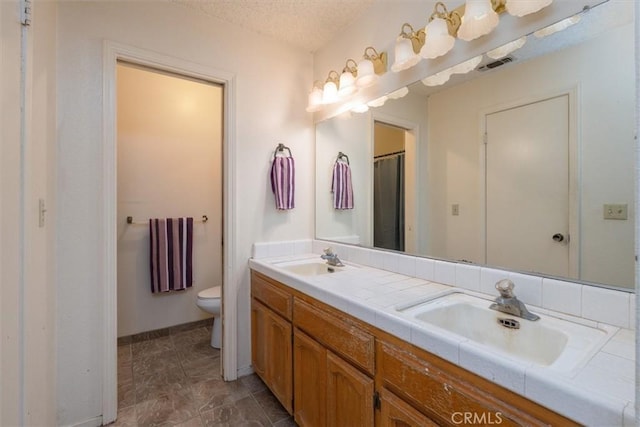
x=548, y=342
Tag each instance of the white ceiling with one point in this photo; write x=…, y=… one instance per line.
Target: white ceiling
x=308, y=24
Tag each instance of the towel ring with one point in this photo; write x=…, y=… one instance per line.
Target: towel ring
x=342, y=156
x=280, y=148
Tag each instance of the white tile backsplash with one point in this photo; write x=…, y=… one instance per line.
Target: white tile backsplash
x=561, y=296
x=528, y=288
x=595, y=303
x=468, y=277
x=445, y=272
x=425, y=268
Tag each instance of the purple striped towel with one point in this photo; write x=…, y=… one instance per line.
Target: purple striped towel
x=283, y=181
x=171, y=244
x=341, y=186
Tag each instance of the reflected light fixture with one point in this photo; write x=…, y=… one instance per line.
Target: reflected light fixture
x=378, y=102
x=372, y=65
x=315, y=98
x=558, y=26
x=466, y=66
x=506, y=49
x=397, y=94
x=360, y=108
x=478, y=20
x=330, y=89
x=440, y=31
x=525, y=7
x=347, y=85
x=408, y=44
x=438, y=79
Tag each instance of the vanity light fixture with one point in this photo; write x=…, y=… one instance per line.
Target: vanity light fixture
x=558, y=26
x=372, y=65
x=408, y=44
x=525, y=7
x=440, y=32
x=347, y=85
x=506, y=49
x=330, y=89
x=479, y=19
x=315, y=97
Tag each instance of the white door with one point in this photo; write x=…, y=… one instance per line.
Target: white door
x=527, y=187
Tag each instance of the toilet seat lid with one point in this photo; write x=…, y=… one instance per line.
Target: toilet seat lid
x=209, y=293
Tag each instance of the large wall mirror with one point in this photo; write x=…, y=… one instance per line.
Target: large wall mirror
x=527, y=166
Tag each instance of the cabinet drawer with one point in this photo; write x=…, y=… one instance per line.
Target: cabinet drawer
x=444, y=396
x=270, y=295
x=337, y=333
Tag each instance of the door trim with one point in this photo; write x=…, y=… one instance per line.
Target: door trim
x=112, y=52
x=573, y=94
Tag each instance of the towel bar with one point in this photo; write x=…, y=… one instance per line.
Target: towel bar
x=342, y=156
x=130, y=220
x=281, y=147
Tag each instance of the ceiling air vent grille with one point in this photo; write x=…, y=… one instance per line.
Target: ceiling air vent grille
x=496, y=64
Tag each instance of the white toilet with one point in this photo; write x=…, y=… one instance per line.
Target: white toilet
x=209, y=301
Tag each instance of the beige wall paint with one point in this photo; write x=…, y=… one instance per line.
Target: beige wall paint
x=169, y=165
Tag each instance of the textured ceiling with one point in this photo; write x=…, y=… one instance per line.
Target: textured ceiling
x=308, y=24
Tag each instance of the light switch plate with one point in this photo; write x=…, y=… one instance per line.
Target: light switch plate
x=455, y=209
x=615, y=211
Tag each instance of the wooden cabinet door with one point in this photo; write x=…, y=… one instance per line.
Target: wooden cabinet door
x=309, y=380
x=258, y=339
x=279, y=359
x=271, y=352
x=395, y=412
x=349, y=394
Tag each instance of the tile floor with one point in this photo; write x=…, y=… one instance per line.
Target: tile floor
x=175, y=380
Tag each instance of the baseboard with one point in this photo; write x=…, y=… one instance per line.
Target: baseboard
x=91, y=422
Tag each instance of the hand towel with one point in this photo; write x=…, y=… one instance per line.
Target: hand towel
x=283, y=181
x=171, y=247
x=341, y=186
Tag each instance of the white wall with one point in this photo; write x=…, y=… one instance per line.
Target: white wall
x=272, y=82
x=602, y=72
x=27, y=287
x=169, y=165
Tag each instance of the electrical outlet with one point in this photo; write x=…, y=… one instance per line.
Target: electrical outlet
x=455, y=209
x=615, y=211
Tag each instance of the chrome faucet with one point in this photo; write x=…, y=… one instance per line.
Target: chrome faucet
x=508, y=303
x=332, y=258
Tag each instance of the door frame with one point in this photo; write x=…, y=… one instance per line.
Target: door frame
x=573, y=93
x=112, y=53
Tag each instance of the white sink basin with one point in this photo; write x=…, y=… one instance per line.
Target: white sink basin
x=548, y=342
x=309, y=267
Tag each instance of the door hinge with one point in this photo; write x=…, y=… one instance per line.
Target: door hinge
x=376, y=400
x=485, y=138
x=25, y=12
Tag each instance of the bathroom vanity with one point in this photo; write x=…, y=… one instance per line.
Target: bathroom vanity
x=328, y=367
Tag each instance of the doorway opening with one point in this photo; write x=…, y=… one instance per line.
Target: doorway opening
x=169, y=139
x=393, y=186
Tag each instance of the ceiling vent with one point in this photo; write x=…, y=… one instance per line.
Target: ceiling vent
x=496, y=64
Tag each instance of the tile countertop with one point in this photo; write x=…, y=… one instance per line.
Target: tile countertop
x=599, y=393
